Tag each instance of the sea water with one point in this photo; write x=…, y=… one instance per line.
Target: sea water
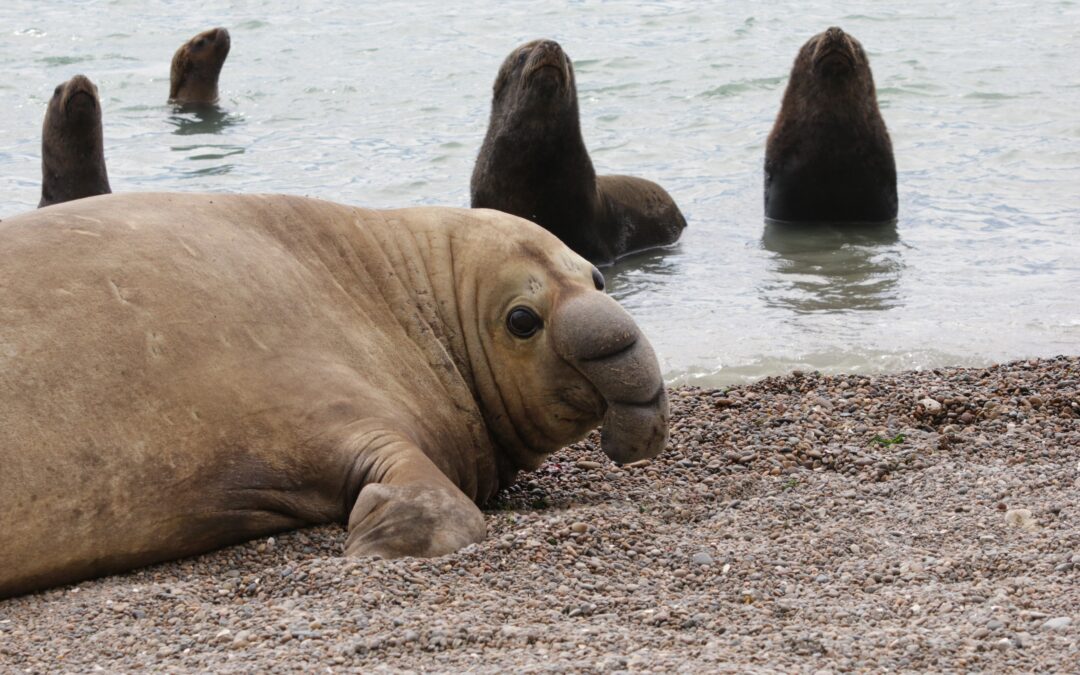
x=385, y=105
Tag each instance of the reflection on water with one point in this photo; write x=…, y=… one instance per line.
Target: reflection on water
x=832, y=268
x=194, y=119
x=201, y=118
x=641, y=271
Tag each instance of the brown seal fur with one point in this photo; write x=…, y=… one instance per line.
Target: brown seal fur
x=196, y=67
x=829, y=157
x=180, y=372
x=72, y=146
x=534, y=164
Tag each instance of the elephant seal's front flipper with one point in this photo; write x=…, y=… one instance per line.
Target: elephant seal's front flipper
x=407, y=506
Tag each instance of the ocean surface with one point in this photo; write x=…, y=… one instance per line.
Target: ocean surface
x=385, y=105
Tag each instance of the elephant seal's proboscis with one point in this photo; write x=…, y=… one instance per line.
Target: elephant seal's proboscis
x=180, y=372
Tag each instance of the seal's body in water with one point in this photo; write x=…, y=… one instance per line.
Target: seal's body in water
x=72, y=144
x=534, y=164
x=196, y=66
x=829, y=157
x=180, y=372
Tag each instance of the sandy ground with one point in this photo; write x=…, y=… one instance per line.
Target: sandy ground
x=919, y=521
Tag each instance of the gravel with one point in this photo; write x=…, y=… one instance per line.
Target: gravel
x=917, y=521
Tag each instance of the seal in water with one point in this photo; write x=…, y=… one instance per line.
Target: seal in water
x=72, y=147
x=534, y=164
x=829, y=157
x=196, y=67
x=181, y=372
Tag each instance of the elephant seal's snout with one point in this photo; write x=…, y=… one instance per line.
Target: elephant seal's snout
x=594, y=334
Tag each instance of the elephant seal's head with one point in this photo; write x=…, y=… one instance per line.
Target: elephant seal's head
x=196, y=66
x=552, y=355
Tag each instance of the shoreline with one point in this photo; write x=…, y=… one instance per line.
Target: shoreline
x=924, y=520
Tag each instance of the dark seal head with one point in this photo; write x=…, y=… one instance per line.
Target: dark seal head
x=534, y=164
x=829, y=157
x=72, y=148
x=196, y=67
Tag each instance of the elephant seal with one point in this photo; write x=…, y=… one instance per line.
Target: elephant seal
x=829, y=157
x=181, y=372
x=533, y=164
x=196, y=67
x=72, y=147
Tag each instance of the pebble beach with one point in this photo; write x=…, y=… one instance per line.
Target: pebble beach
x=925, y=521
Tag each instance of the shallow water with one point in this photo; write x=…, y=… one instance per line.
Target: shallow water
x=385, y=105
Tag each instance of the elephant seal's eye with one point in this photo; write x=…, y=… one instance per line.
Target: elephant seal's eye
x=597, y=279
x=523, y=322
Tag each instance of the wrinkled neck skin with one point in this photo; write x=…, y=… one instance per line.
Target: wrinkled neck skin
x=72, y=159
x=428, y=280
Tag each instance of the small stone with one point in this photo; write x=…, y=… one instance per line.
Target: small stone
x=702, y=558
x=579, y=528
x=1020, y=518
x=822, y=578
x=588, y=465
x=930, y=405
x=1058, y=624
